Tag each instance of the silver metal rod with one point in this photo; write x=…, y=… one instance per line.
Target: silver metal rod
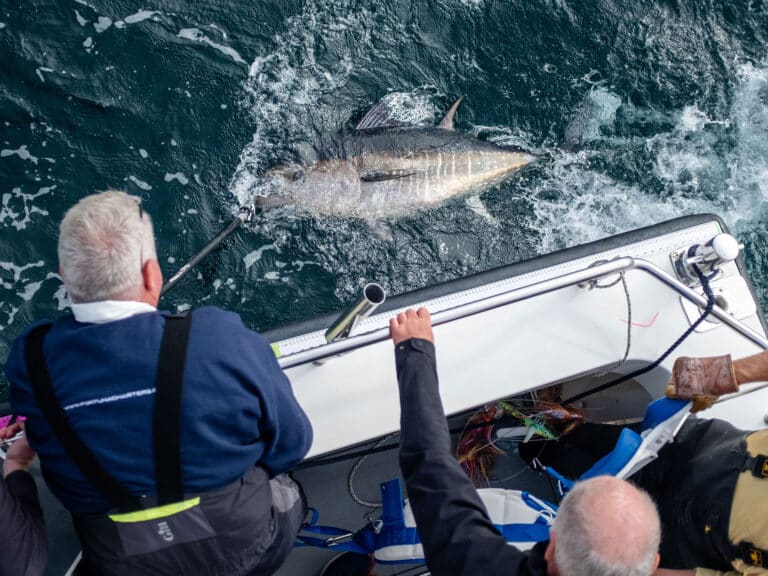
x=701, y=301
x=523, y=293
x=595, y=272
x=243, y=216
x=373, y=296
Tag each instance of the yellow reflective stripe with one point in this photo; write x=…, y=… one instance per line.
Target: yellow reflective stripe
x=156, y=512
x=276, y=349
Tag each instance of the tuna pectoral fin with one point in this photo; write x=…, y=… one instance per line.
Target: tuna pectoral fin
x=382, y=230
x=381, y=175
x=476, y=205
x=447, y=121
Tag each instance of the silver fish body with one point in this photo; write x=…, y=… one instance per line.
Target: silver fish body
x=388, y=172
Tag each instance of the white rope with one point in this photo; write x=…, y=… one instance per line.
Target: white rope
x=628, y=346
x=351, y=477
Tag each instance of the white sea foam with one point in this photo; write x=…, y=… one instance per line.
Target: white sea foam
x=196, y=35
x=29, y=291
x=10, y=311
x=2, y=25
x=140, y=16
x=16, y=272
x=39, y=71
x=140, y=183
x=102, y=24
x=21, y=282
x=708, y=162
x=21, y=152
x=80, y=20
x=18, y=208
x=61, y=297
x=252, y=257
x=143, y=153
x=178, y=176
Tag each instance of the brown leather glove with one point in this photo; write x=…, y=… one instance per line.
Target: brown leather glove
x=702, y=380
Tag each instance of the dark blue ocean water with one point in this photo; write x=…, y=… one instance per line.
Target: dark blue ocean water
x=642, y=111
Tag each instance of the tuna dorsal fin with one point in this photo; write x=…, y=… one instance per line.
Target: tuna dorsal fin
x=447, y=121
x=380, y=115
x=381, y=175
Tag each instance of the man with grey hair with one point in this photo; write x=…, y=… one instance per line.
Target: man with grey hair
x=167, y=437
x=604, y=527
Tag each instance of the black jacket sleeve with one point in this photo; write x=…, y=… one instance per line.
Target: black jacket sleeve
x=456, y=532
x=22, y=531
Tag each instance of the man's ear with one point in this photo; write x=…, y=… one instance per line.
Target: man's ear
x=549, y=556
x=153, y=279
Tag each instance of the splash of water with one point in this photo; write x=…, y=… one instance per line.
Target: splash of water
x=705, y=163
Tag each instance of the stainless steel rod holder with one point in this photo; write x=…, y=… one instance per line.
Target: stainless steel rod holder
x=373, y=296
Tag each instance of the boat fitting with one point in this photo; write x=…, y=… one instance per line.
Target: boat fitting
x=373, y=296
x=708, y=258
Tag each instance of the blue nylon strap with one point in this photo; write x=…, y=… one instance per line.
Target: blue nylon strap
x=392, y=503
x=566, y=483
x=538, y=532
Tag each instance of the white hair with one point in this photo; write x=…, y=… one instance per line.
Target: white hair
x=606, y=527
x=104, y=241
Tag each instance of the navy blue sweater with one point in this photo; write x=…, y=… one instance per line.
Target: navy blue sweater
x=238, y=409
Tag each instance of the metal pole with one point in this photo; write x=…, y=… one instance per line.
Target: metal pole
x=615, y=266
x=701, y=302
x=245, y=215
x=570, y=279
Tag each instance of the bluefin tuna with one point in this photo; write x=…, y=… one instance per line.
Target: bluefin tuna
x=384, y=170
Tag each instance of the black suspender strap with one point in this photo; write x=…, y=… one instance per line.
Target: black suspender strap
x=757, y=465
x=166, y=418
x=751, y=555
x=52, y=411
x=167, y=415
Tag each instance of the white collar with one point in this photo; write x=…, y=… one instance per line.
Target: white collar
x=109, y=310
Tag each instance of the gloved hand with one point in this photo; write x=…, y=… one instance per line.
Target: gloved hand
x=702, y=380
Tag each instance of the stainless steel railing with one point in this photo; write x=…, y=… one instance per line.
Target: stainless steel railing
x=594, y=272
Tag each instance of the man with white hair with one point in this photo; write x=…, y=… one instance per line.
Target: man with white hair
x=167, y=437
x=604, y=526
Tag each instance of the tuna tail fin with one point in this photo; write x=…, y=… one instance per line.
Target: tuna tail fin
x=447, y=121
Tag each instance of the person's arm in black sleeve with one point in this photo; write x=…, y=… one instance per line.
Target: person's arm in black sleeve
x=22, y=530
x=456, y=532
